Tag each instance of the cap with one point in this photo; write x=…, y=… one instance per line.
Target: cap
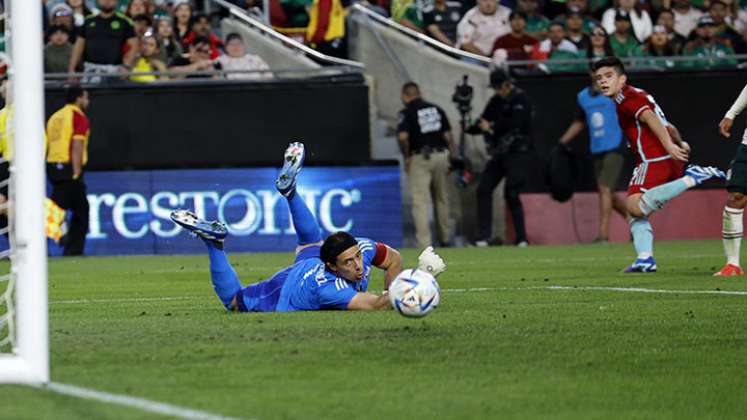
x=659, y=29
x=706, y=20
x=61, y=9
x=574, y=10
x=498, y=76
x=622, y=15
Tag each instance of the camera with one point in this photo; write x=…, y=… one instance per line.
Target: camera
x=462, y=96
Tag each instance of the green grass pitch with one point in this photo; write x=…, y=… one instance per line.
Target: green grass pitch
x=151, y=327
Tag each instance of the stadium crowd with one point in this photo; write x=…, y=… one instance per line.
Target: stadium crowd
x=142, y=37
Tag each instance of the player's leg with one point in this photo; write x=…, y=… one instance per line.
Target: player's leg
x=222, y=275
x=419, y=180
x=640, y=228
x=490, y=178
x=736, y=184
x=308, y=232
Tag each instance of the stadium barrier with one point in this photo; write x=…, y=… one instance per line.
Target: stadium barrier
x=129, y=210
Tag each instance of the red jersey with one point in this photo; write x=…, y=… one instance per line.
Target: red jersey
x=631, y=102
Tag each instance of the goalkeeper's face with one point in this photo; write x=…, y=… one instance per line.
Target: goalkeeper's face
x=349, y=264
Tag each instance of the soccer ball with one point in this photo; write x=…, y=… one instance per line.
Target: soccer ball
x=414, y=293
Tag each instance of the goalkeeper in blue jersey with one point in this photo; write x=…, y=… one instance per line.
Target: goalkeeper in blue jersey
x=329, y=274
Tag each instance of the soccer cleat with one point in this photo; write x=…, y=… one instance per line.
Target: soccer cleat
x=647, y=265
x=210, y=230
x=700, y=174
x=292, y=164
x=729, y=270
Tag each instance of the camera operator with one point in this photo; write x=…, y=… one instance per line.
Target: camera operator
x=424, y=135
x=505, y=124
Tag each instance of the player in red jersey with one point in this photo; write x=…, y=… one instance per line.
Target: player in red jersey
x=660, y=153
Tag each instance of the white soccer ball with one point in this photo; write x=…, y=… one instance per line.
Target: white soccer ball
x=414, y=293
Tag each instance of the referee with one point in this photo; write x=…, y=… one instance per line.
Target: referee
x=425, y=140
x=67, y=132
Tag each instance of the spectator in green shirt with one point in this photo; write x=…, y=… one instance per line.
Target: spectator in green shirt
x=709, y=49
x=622, y=40
x=537, y=24
x=406, y=13
x=654, y=49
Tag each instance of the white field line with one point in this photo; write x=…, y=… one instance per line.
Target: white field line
x=134, y=402
x=121, y=300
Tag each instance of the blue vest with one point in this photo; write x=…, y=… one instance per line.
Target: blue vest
x=601, y=120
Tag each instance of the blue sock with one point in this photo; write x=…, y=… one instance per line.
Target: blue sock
x=224, y=278
x=307, y=229
x=643, y=237
x=655, y=198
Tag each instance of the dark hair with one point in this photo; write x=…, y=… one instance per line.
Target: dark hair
x=411, y=89
x=715, y=2
x=142, y=18
x=57, y=28
x=609, y=62
x=199, y=39
x=334, y=245
x=557, y=23
x=196, y=17
x=665, y=11
x=608, y=51
x=517, y=13
x=233, y=35
x=72, y=93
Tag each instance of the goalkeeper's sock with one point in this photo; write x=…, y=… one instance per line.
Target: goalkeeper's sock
x=225, y=281
x=307, y=229
x=643, y=237
x=732, y=234
x=655, y=198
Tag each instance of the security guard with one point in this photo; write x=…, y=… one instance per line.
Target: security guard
x=505, y=123
x=425, y=140
x=67, y=154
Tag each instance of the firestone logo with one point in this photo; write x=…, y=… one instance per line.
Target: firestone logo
x=245, y=212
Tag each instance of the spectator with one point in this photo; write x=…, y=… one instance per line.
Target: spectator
x=80, y=11
x=296, y=12
x=141, y=24
x=171, y=47
x=140, y=7
x=197, y=59
x=710, y=50
x=741, y=46
x=677, y=41
x=425, y=140
x=582, y=6
x=406, y=13
x=622, y=40
x=67, y=155
x=148, y=61
x=639, y=19
x=658, y=45
x=182, y=19
x=236, y=58
x=516, y=45
x=442, y=19
x=58, y=50
x=574, y=23
x=537, y=24
x=719, y=11
x=326, y=30
x=736, y=16
x=685, y=17
x=62, y=15
x=481, y=26
x=101, y=41
x=201, y=27
x=556, y=43
x=599, y=45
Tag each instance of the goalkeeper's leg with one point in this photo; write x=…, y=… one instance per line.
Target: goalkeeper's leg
x=223, y=276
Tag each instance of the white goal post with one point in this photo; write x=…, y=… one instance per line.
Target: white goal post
x=28, y=361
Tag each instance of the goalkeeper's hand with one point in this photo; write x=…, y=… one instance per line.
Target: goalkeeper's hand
x=431, y=262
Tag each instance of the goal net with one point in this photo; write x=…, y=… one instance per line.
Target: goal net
x=24, y=347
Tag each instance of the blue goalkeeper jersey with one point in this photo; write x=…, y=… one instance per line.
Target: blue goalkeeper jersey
x=307, y=285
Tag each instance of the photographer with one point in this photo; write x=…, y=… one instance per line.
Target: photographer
x=505, y=124
x=425, y=140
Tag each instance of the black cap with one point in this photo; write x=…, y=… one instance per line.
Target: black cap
x=622, y=15
x=498, y=76
x=706, y=20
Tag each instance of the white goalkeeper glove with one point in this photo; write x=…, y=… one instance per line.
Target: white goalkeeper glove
x=430, y=261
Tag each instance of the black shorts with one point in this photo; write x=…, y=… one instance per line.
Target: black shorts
x=4, y=178
x=736, y=177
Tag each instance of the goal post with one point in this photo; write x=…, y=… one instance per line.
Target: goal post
x=28, y=359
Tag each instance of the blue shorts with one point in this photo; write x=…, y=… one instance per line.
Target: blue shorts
x=264, y=296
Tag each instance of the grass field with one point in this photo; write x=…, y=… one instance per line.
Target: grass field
x=503, y=343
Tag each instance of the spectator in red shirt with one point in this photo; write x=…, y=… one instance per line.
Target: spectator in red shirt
x=201, y=27
x=515, y=45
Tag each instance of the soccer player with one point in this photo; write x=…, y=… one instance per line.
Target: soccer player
x=660, y=152
x=736, y=184
x=329, y=274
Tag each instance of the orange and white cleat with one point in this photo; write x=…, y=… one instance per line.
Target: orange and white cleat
x=730, y=270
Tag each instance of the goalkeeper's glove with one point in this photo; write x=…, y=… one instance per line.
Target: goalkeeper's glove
x=430, y=262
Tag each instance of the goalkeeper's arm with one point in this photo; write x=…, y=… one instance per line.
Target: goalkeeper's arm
x=391, y=263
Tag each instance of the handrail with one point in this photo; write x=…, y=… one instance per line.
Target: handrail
x=323, y=71
x=268, y=30
x=417, y=35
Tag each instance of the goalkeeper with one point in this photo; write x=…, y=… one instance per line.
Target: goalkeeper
x=329, y=274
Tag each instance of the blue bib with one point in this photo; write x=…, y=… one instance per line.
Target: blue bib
x=601, y=120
